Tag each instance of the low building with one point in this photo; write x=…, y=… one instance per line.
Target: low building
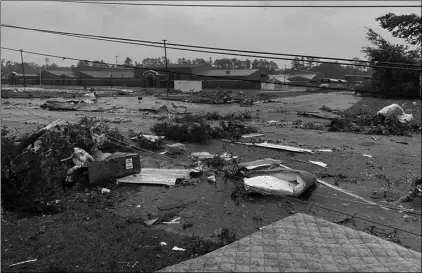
x=233, y=79
x=157, y=76
x=59, y=77
x=107, y=77
x=15, y=78
x=354, y=81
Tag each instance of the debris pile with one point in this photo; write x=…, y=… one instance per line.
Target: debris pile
x=32, y=179
x=221, y=96
x=197, y=128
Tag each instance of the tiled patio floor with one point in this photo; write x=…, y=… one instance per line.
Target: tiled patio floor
x=303, y=243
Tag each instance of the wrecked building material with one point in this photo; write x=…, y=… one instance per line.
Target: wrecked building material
x=115, y=166
x=281, y=182
x=252, y=135
x=176, y=148
x=283, y=147
x=395, y=110
x=261, y=163
x=156, y=176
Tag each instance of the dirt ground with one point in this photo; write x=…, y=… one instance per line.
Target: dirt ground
x=212, y=207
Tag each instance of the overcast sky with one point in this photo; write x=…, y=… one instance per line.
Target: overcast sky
x=333, y=32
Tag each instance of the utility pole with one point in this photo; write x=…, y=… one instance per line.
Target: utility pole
x=23, y=70
x=168, y=72
x=39, y=63
x=116, y=59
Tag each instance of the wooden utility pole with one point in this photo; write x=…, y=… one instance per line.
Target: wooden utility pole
x=168, y=72
x=23, y=69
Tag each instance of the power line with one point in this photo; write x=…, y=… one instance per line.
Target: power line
x=206, y=76
x=160, y=45
x=243, y=6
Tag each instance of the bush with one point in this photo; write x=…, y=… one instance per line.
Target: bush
x=31, y=181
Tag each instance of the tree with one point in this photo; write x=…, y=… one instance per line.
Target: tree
x=83, y=63
x=297, y=64
x=408, y=27
x=128, y=62
x=199, y=61
x=183, y=61
x=388, y=80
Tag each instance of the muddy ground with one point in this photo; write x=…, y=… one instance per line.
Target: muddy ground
x=213, y=207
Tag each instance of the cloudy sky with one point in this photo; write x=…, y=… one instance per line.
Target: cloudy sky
x=333, y=32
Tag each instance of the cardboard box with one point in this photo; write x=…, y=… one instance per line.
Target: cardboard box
x=115, y=166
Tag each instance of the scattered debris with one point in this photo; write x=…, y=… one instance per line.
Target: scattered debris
x=81, y=159
x=176, y=148
x=125, y=92
x=397, y=111
x=163, y=244
x=261, y=163
x=150, y=222
x=307, y=114
x=345, y=219
x=175, y=205
x=174, y=221
x=24, y=262
x=283, y=182
x=325, y=150
x=211, y=179
x=117, y=120
x=207, y=155
x=408, y=218
x=273, y=146
x=105, y=190
x=175, y=248
x=366, y=155
x=318, y=163
x=402, y=142
x=115, y=166
x=156, y=176
x=375, y=138
x=252, y=135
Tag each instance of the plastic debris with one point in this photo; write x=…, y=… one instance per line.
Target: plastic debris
x=318, y=163
x=261, y=163
x=281, y=182
x=395, y=110
x=365, y=155
x=104, y=190
x=174, y=221
x=212, y=179
x=151, y=222
x=163, y=244
x=175, y=248
x=325, y=150
x=24, y=262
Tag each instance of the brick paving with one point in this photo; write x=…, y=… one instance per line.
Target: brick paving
x=303, y=243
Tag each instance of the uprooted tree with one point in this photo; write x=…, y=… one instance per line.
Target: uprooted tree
x=382, y=52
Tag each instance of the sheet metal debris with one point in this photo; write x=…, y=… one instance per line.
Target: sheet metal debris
x=325, y=150
x=283, y=147
x=318, y=163
x=175, y=248
x=156, y=176
x=252, y=135
x=261, y=163
x=176, y=148
x=365, y=155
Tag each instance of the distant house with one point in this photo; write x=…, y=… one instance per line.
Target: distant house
x=305, y=77
x=59, y=77
x=156, y=76
x=236, y=78
x=15, y=78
